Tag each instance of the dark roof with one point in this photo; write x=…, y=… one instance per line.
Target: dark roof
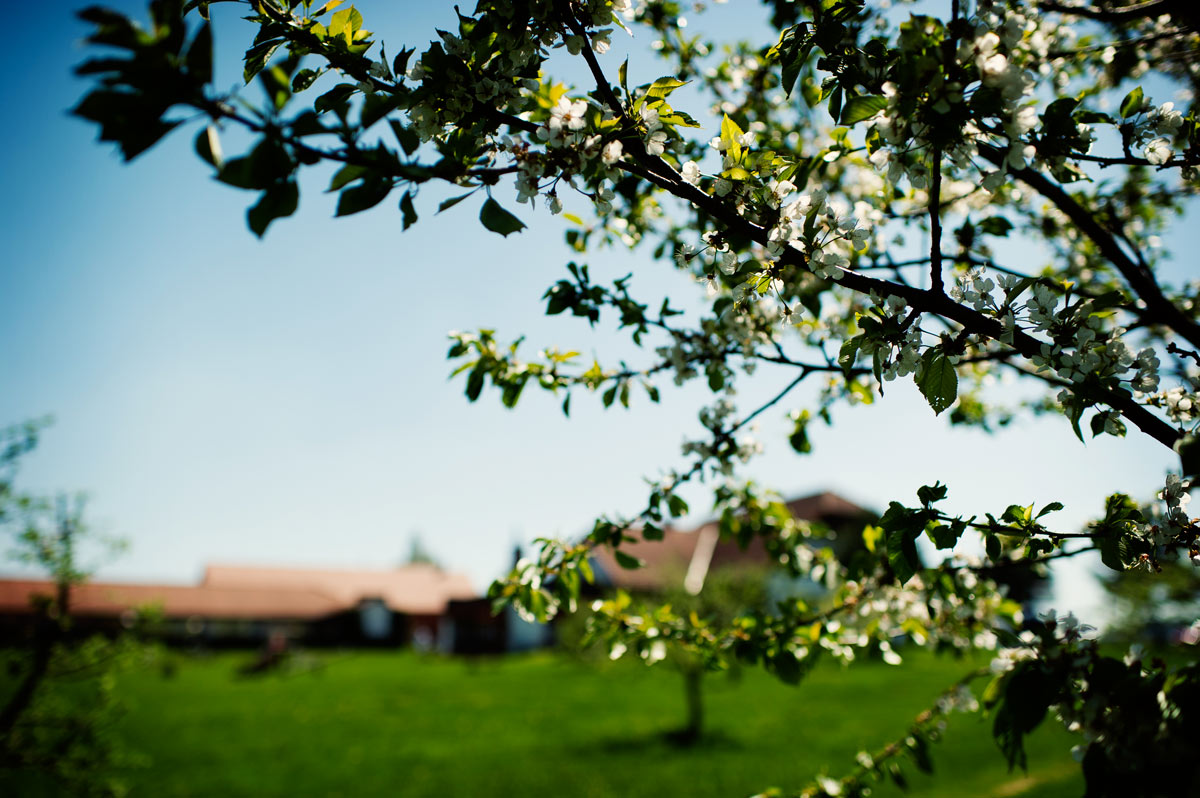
x=667, y=561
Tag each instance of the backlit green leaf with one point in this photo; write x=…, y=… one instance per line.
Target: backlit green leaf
x=937, y=380
x=498, y=220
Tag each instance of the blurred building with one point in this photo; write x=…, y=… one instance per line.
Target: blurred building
x=239, y=606
x=682, y=558
x=686, y=557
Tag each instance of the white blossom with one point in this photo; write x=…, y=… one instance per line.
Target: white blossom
x=1158, y=151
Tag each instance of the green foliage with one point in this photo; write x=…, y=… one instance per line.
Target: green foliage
x=495, y=218
x=937, y=380
x=856, y=109
x=988, y=119
x=57, y=711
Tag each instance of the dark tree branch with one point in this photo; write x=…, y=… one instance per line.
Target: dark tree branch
x=935, y=224
x=1133, y=42
x=1140, y=280
x=1104, y=12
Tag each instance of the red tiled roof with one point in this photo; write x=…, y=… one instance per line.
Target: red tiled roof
x=417, y=589
x=266, y=593
x=98, y=598
x=667, y=560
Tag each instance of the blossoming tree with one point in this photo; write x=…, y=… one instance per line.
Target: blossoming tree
x=791, y=170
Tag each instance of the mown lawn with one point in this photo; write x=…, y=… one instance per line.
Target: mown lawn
x=397, y=724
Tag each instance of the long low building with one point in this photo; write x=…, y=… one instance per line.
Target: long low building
x=238, y=605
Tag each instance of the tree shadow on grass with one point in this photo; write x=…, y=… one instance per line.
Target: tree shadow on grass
x=667, y=740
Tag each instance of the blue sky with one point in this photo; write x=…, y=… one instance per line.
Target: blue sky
x=285, y=401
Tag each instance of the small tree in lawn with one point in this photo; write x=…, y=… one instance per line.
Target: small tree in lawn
x=56, y=721
x=726, y=594
x=786, y=178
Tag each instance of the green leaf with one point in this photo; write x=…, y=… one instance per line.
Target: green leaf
x=257, y=57
x=267, y=164
x=498, y=220
x=627, y=561
x=304, y=78
x=663, y=87
x=677, y=505
x=919, y=750
x=848, y=352
x=409, y=141
x=376, y=107
x=408, y=212
x=731, y=137
x=652, y=531
x=902, y=553
x=937, y=380
x=791, y=50
x=856, y=109
x=1022, y=285
x=946, y=537
x=929, y=494
x=871, y=535
x=277, y=85
x=475, y=382
x=1132, y=103
x=1052, y=507
x=345, y=23
x=275, y=203
x=996, y=226
x=511, y=393
x=345, y=176
x=1028, y=692
x=450, y=203
x=359, y=198
x=799, y=437
x=336, y=99
x=993, y=547
x=679, y=119
x=199, y=55
x=785, y=666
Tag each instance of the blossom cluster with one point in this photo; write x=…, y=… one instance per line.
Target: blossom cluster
x=1182, y=406
x=1155, y=130
x=715, y=418
x=1175, y=495
x=901, y=351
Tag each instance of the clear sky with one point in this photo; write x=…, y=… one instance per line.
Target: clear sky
x=285, y=401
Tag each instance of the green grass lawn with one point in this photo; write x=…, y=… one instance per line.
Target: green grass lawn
x=397, y=724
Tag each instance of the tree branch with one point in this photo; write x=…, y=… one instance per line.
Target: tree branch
x=935, y=224
x=1139, y=279
x=1151, y=8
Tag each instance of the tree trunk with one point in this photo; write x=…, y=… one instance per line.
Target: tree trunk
x=693, y=685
